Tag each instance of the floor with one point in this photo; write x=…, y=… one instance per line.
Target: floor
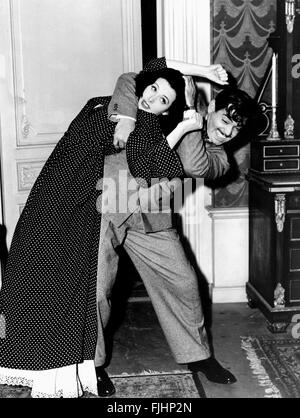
x=139, y=345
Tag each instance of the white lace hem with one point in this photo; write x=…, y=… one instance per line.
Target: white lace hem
x=64, y=382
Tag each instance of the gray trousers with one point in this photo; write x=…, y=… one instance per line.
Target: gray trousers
x=170, y=281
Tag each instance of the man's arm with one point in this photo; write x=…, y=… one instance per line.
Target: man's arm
x=123, y=108
x=200, y=159
x=124, y=100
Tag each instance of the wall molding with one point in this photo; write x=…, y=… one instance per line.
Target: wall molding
x=180, y=32
x=132, y=39
x=29, y=133
x=179, y=36
x=230, y=253
x=26, y=133
x=228, y=213
x=234, y=294
x=27, y=173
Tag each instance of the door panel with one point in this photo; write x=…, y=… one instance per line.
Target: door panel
x=54, y=56
x=61, y=57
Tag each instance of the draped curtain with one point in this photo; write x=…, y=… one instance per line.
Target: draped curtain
x=240, y=29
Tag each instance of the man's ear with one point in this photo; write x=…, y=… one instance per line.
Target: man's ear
x=212, y=106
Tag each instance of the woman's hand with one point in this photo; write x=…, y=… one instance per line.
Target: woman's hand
x=217, y=74
x=192, y=121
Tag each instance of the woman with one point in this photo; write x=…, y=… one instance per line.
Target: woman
x=48, y=327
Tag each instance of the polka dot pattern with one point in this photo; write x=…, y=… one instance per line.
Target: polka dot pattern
x=48, y=296
x=151, y=157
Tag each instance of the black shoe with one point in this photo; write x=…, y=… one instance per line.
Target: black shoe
x=212, y=370
x=104, y=385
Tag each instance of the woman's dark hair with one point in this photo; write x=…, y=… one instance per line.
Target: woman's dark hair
x=177, y=83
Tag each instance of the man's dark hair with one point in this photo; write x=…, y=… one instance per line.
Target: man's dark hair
x=176, y=81
x=239, y=106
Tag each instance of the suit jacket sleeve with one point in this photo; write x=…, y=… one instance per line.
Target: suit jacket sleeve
x=124, y=100
x=201, y=159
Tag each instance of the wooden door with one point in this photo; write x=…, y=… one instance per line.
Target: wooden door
x=54, y=56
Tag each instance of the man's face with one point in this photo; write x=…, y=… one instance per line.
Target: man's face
x=220, y=128
x=158, y=97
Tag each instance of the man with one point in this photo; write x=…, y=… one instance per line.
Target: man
x=150, y=239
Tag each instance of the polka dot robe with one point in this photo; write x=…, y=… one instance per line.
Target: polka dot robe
x=48, y=295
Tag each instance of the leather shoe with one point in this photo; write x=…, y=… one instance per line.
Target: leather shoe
x=213, y=371
x=105, y=386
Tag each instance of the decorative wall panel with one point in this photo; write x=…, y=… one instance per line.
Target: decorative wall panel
x=51, y=52
x=27, y=174
x=240, y=29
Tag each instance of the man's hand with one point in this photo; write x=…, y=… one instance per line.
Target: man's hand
x=217, y=74
x=123, y=129
x=190, y=90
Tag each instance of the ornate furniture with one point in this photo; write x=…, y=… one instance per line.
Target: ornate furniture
x=274, y=184
x=274, y=233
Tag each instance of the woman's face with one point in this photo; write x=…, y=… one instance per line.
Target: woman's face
x=158, y=97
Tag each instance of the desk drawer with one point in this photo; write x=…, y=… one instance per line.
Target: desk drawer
x=281, y=151
x=281, y=165
x=294, y=201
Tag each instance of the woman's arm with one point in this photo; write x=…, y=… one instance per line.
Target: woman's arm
x=192, y=121
x=215, y=72
x=149, y=155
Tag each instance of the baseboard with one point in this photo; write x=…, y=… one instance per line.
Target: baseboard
x=229, y=294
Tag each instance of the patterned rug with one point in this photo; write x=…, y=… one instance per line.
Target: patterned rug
x=276, y=365
x=7, y=391
x=145, y=385
x=158, y=385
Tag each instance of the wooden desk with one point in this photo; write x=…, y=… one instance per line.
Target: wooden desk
x=274, y=247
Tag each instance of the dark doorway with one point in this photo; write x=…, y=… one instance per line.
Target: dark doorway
x=149, y=30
